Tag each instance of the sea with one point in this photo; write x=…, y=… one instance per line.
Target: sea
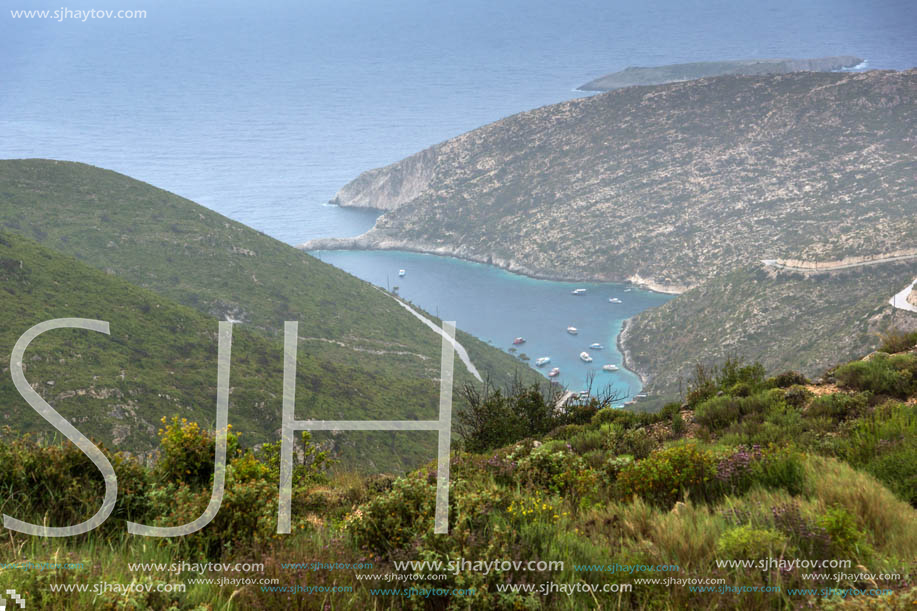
x=262, y=111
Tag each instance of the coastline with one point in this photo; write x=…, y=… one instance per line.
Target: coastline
x=362, y=242
x=627, y=361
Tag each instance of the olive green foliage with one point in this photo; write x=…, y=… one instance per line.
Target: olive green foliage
x=617, y=487
x=745, y=542
x=882, y=374
x=495, y=418
x=896, y=340
x=76, y=240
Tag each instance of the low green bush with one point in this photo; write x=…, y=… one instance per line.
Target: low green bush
x=668, y=474
x=895, y=376
x=897, y=340
x=884, y=443
x=789, y=378
x=839, y=406
x=847, y=540
x=748, y=543
x=720, y=412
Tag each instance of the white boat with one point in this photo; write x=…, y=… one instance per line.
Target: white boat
x=578, y=292
x=596, y=346
x=542, y=361
x=401, y=273
x=554, y=373
x=572, y=330
x=626, y=290
x=614, y=300
x=584, y=356
x=609, y=367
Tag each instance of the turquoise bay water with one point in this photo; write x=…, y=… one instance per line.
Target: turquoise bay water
x=498, y=306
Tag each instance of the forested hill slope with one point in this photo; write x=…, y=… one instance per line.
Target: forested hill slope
x=177, y=248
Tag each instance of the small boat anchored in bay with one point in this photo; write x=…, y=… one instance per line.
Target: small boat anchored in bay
x=609, y=367
x=578, y=292
x=518, y=341
x=542, y=361
x=401, y=273
x=554, y=373
x=584, y=356
x=572, y=330
x=596, y=346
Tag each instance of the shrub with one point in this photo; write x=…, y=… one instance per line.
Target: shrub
x=587, y=441
x=772, y=467
x=730, y=376
x=187, y=452
x=789, y=378
x=615, y=464
x=846, y=538
x=394, y=518
x=667, y=474
x=809, y=538
x=797, y=396
x=58, y=485
x=636, y=442
x=881, y=374
x=896, y=340
x=745, y=542
x=884, y=443
x=678, y=425
x=780, y=468
x=621, y=418
x=556, y=469
x=494, y=419
x=719, y=412
x=839, y=406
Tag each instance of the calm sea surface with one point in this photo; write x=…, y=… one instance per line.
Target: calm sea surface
x=262, y=111
x=498, y=306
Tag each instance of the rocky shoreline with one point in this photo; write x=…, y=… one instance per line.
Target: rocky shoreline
x=367, y=242
x=627, y=361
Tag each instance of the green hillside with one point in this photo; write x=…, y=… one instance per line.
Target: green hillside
x=784, y=320
x=179, y=249
x=160, y=360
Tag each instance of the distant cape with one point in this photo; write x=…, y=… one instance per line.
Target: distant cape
x=671, y=73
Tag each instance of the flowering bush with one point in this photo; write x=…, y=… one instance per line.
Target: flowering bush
x=809, y=538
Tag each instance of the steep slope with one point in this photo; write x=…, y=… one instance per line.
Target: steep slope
x=672, y=183
x=785, y=320
x=181, y=250
x=160, y=361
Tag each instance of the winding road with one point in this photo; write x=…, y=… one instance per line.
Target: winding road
x=898, y=300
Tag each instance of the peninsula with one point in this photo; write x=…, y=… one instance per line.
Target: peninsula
x=658, y=75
